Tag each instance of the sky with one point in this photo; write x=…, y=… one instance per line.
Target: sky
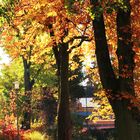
x=4, y=58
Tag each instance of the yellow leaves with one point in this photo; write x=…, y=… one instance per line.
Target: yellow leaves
x=102, y=109
x=42, y=39
x=74, y=66
x=19, y=12
x=20, y=41
x=48, y=12
x=51, y=14
x=73, y=77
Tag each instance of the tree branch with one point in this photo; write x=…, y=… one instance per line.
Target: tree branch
x=84, y=38
x=77, y=37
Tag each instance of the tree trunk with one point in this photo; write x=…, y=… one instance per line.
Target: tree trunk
x=126, y=125
x=26, y=123
x=64, y=122
x=62, y=60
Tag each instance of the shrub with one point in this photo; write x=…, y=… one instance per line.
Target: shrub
x=35, y=136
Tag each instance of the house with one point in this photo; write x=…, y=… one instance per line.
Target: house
x=83, y=107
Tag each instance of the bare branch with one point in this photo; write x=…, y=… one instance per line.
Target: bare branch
x=77, y=37
x=79, y=44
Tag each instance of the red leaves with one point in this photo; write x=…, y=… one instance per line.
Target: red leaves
x=10, y=132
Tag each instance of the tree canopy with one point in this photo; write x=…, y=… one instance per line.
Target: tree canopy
x=62, y=42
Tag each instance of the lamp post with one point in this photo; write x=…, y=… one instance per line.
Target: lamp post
x=16, y=83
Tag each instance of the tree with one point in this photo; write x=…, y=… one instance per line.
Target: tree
x=11, y=100
x=23, y=23
x=9, y=74
x=24, y=48
x=63, y=33
x=61, y=52
x=24, y=40
x=67, y=24
x=123, y=86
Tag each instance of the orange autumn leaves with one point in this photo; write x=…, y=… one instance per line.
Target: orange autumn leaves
x=29, y=29
x=33, y=18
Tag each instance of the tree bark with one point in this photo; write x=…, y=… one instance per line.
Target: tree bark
x=106, y=72
x=126, y=125
x=64, y=122
x=55, y=50
x=62, y=60
x=28, y=84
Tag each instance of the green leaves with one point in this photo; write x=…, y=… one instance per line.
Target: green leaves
x=11, y=73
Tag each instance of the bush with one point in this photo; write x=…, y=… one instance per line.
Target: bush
x=35, y=136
